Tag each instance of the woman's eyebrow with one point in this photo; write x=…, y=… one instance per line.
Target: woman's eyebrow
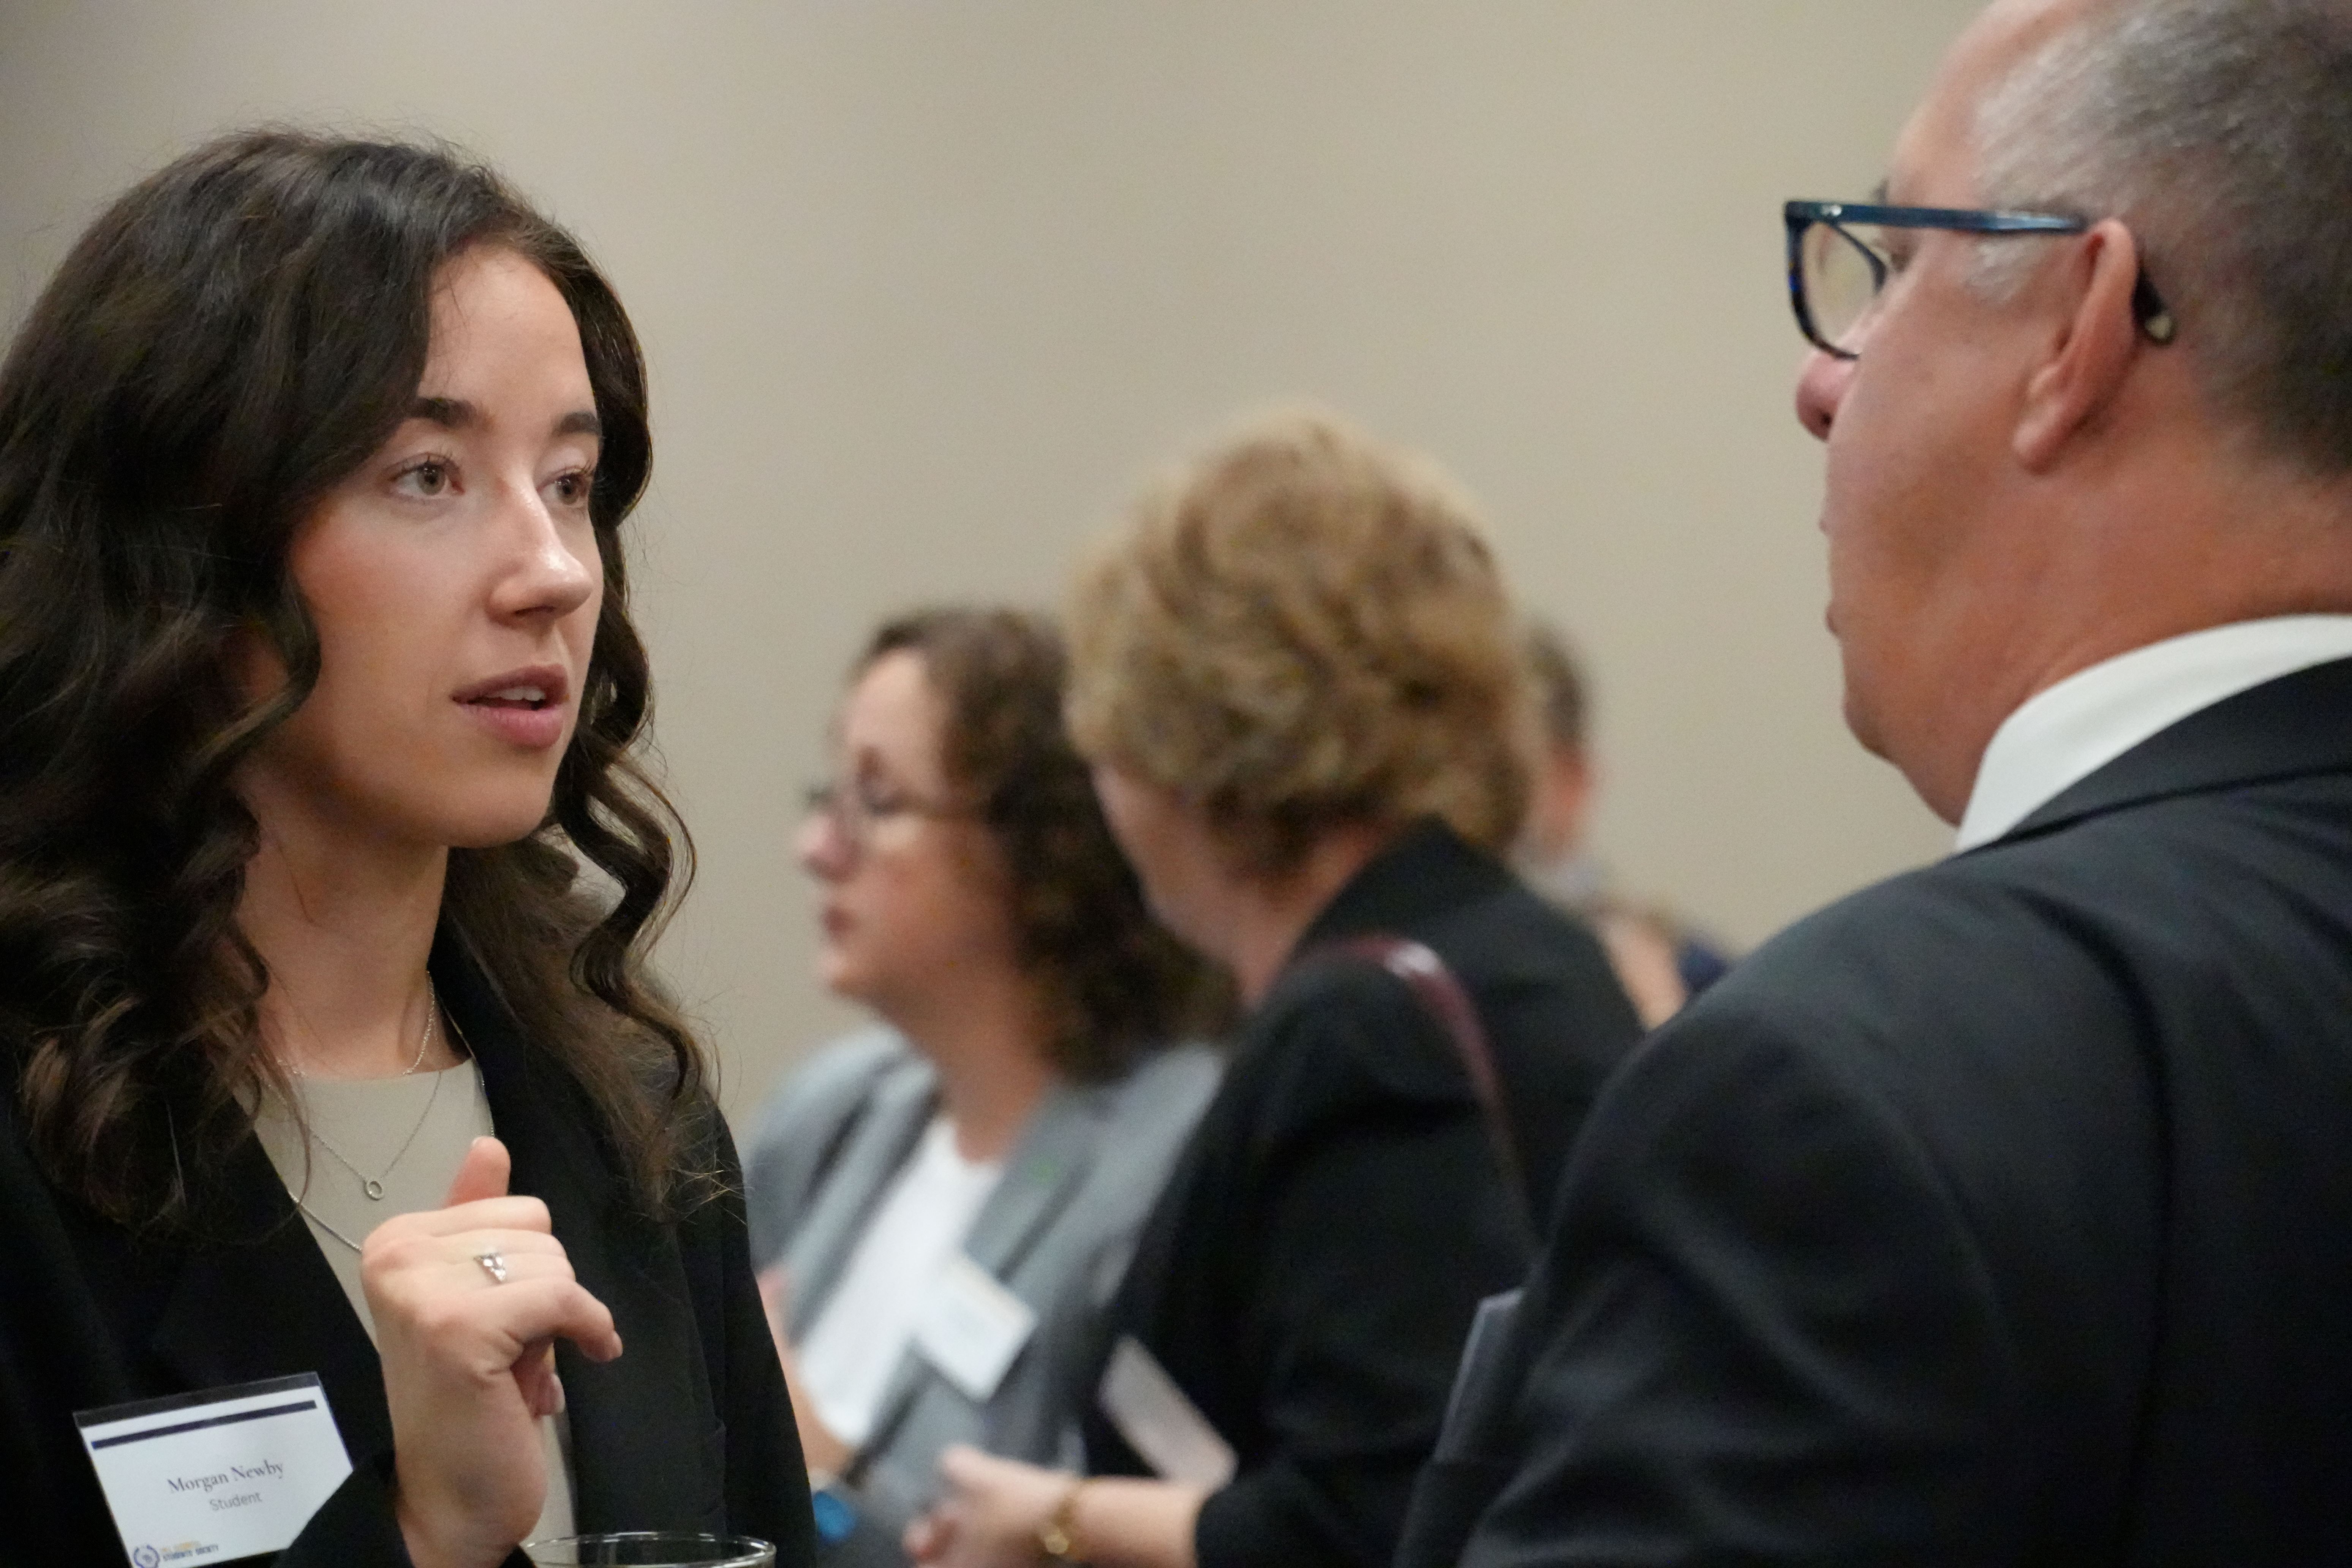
x=457, y=414
x=449, y=412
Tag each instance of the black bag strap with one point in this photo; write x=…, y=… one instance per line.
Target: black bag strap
x=1441, y=997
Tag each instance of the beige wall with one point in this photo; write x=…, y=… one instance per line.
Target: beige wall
x=926, y=285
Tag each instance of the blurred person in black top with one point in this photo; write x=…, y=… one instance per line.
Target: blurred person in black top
x=1299, y=679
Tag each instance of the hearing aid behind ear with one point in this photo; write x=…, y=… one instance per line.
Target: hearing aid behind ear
x=2148, y=308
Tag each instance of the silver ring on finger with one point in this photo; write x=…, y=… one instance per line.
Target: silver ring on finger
x=494, y=1264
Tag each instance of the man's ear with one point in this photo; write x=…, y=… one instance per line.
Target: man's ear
x=2093, y=353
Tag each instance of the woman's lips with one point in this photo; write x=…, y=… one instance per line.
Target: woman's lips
x=534, y=729
x=525, y=707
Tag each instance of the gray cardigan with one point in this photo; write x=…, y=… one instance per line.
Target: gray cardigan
x=1057, y=1233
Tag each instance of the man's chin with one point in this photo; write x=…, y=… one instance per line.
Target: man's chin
x=1923, y=762
x=1863, y=723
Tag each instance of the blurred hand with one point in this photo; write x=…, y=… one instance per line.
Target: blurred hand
x=989, y=1513
x=822, y=1451
x=469, y=1364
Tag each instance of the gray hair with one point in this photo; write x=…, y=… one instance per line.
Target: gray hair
x=2221, y=132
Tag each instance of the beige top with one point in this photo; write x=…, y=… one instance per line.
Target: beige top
x=407, y=1135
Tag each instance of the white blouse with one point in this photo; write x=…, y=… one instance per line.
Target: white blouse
x=857, y=1340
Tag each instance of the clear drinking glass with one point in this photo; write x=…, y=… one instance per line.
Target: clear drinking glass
x=651, y=1548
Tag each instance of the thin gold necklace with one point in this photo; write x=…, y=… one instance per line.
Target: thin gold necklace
x=432, y=1013
x=320, y=1220
x=374, y=1186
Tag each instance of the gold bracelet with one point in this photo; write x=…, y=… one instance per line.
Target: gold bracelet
x=1054, y=1536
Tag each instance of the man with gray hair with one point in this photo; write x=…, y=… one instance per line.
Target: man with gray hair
x=2002, y=1212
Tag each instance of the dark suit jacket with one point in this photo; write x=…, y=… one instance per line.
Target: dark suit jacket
x=1309, y=1273
x=2000, y=1214
x=689, y=1428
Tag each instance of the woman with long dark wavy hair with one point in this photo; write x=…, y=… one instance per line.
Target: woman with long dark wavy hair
x=316, y=688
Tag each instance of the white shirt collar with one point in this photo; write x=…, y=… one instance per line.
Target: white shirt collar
x=2066, y=733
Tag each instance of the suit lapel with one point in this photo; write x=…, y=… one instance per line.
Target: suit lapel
x=644, y=1451
x=263, y=1303
x=1045, y=1169
x=2296, y=725
x=904, y=1100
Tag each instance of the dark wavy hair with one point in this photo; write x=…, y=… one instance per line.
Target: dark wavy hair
x=233, y=336
x=1119, y=985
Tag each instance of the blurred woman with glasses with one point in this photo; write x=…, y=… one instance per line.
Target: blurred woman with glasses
x=945, y=1201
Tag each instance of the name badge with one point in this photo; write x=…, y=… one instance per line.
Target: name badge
x=1164, y=1427
x=972, y=1327
x=213, y=1477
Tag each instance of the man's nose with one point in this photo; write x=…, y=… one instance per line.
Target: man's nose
x=1820, y=387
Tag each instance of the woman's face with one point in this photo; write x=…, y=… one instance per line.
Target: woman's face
x=915, y=889
x=454, y=582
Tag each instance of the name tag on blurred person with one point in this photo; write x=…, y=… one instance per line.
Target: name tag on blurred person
x=972, y=1327
x=213, y=1477
x=1164, y=1427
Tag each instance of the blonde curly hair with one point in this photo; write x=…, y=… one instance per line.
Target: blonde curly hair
x=1302, y=629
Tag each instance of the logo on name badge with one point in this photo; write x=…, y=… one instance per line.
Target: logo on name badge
x=146, y=1557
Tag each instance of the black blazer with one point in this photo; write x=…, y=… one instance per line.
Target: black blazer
x=1310, y=1270
x=1998, y=1215
x=689, y=1428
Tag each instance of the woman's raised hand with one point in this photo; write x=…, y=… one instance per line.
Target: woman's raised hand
x=469, y=1359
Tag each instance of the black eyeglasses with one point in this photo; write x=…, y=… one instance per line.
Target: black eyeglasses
x=857, y=808
x=1837, y=266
